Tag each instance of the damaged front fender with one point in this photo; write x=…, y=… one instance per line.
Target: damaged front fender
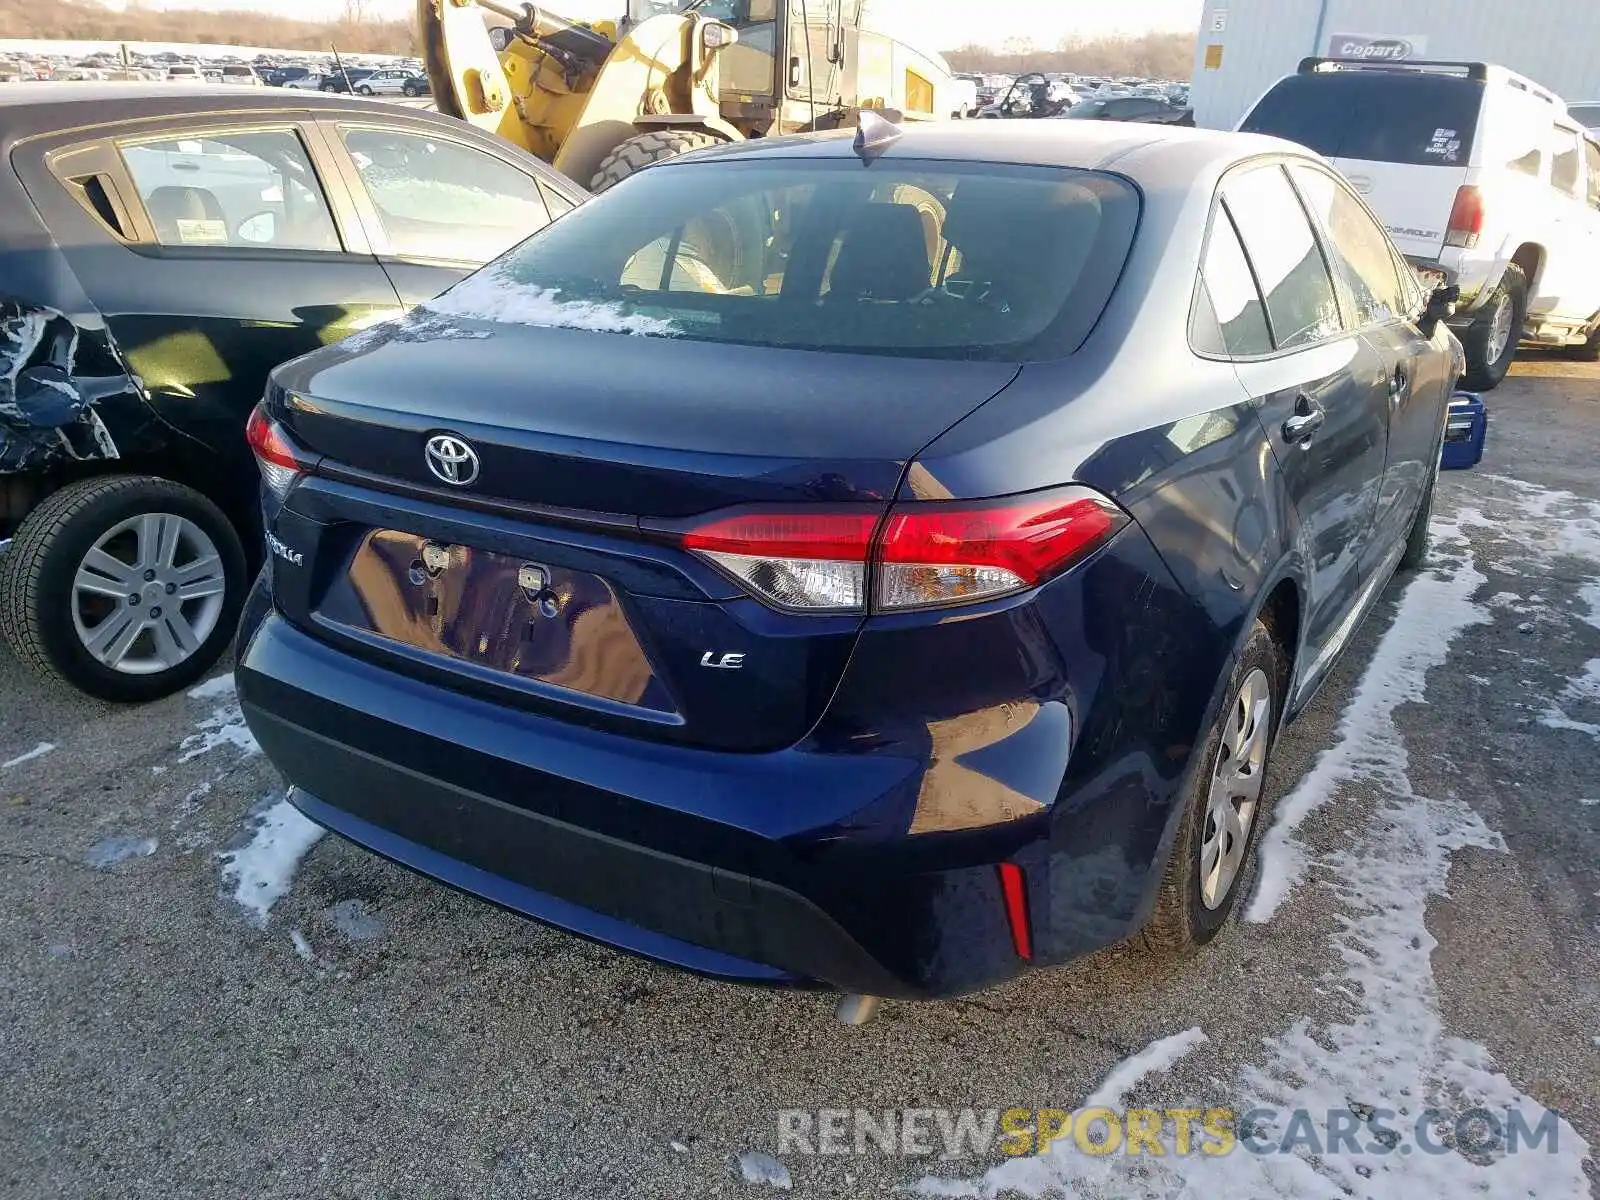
x=47, y=402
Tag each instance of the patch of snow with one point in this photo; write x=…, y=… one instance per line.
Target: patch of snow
x=217, y=685
x=262, y=869
x=1587, y=685
x=224, y=727
x=1434, y=608
x=1157, y=1056
x=680, y=1148
x=493, y=295
x=1590, y=804
x=38, y=751
x=1555, y=718
x=108, y=852
x=756, y=1167
x=353, y=919
x=301, y=946
x=158, y=769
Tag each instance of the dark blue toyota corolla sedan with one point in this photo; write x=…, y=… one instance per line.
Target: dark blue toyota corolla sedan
x=881, y=562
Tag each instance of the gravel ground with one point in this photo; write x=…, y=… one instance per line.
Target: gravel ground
x=377, y=1035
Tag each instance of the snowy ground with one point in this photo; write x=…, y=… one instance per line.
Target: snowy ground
x=203, y=998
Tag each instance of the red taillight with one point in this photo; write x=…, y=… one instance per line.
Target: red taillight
x=1015, y=890
x=1466, y=218
x=279, y=464
x=936, y=554
x=926, y=555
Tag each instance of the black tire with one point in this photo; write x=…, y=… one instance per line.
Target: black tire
x=1483, y=375
x=1181, y=920
x=330, y=87
x=1590, y=350
x=364, y=90
x=411, y=89
x=641, y=151
x=36, y=578
x=1416, y=551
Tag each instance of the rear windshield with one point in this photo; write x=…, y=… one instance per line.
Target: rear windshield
x=1396, y=117
x=904, y=258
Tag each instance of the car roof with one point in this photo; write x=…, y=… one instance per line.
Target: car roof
x=35, y=107
x=1139, y=150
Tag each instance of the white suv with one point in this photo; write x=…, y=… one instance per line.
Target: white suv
x=1480, y=175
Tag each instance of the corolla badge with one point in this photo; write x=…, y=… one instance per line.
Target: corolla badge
x=452, y=460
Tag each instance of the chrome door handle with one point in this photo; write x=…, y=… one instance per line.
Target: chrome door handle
x=1308, y=418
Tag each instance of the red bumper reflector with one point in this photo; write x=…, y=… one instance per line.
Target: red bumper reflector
x=1015, y=890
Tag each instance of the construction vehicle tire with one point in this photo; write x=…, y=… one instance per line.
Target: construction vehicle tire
x=640, y=151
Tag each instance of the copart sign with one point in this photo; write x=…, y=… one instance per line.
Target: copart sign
x=1372, y=47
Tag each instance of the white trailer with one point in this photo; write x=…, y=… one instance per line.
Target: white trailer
x=1247, y=45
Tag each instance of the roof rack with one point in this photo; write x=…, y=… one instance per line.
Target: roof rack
x=1476, y=71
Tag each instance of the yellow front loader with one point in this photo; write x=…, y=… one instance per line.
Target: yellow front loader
x=602, y=101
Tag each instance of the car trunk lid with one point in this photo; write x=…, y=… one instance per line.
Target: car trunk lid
x=542, y=580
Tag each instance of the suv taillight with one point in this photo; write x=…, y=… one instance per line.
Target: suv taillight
x=1466, y=218
x=922, y=555
x=275, y=455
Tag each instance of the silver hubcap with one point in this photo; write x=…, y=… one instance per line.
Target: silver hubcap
x=1500, y=328
x=1235, y=788
x=148, y=593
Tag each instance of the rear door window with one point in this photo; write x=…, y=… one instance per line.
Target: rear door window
x=1591, y=153
x=439, y=199
x=245, y=188
x=1230, y=319
x=1566, y=161
x=1423, y=120
x=1356, y=245
x=1301, y=303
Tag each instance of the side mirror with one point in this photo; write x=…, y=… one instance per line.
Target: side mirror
x=1441, y=306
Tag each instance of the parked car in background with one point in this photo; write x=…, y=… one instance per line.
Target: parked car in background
x=1142, y=109
x=1480, y=175
x=393, y=82
x=163, y=248
x=1083, y=450
x=239, y=74
x=311, y=81
x=281, y=76
x=184, y=73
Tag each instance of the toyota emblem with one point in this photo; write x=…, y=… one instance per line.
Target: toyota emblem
x=452, y=460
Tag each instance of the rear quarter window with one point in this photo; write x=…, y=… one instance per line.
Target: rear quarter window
x=1420, y=120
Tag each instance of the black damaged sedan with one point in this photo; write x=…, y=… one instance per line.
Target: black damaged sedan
x=161, y=249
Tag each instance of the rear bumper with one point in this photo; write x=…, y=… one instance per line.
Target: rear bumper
x=1052, y=731
x=565, y=842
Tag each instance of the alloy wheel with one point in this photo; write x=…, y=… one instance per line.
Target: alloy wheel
x=1499, y=328
x=1236, y=784
x=148, y=593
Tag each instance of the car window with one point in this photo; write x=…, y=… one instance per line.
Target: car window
x=1424, y=120
x=1566, y=161
x=1229, y=318
x=251, y=188
x=1356, y=245
x=1587, y=115
x=558, y=204
x=1591, y=152
x=440, y=199
x=1301, y=303
x=934, y=260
